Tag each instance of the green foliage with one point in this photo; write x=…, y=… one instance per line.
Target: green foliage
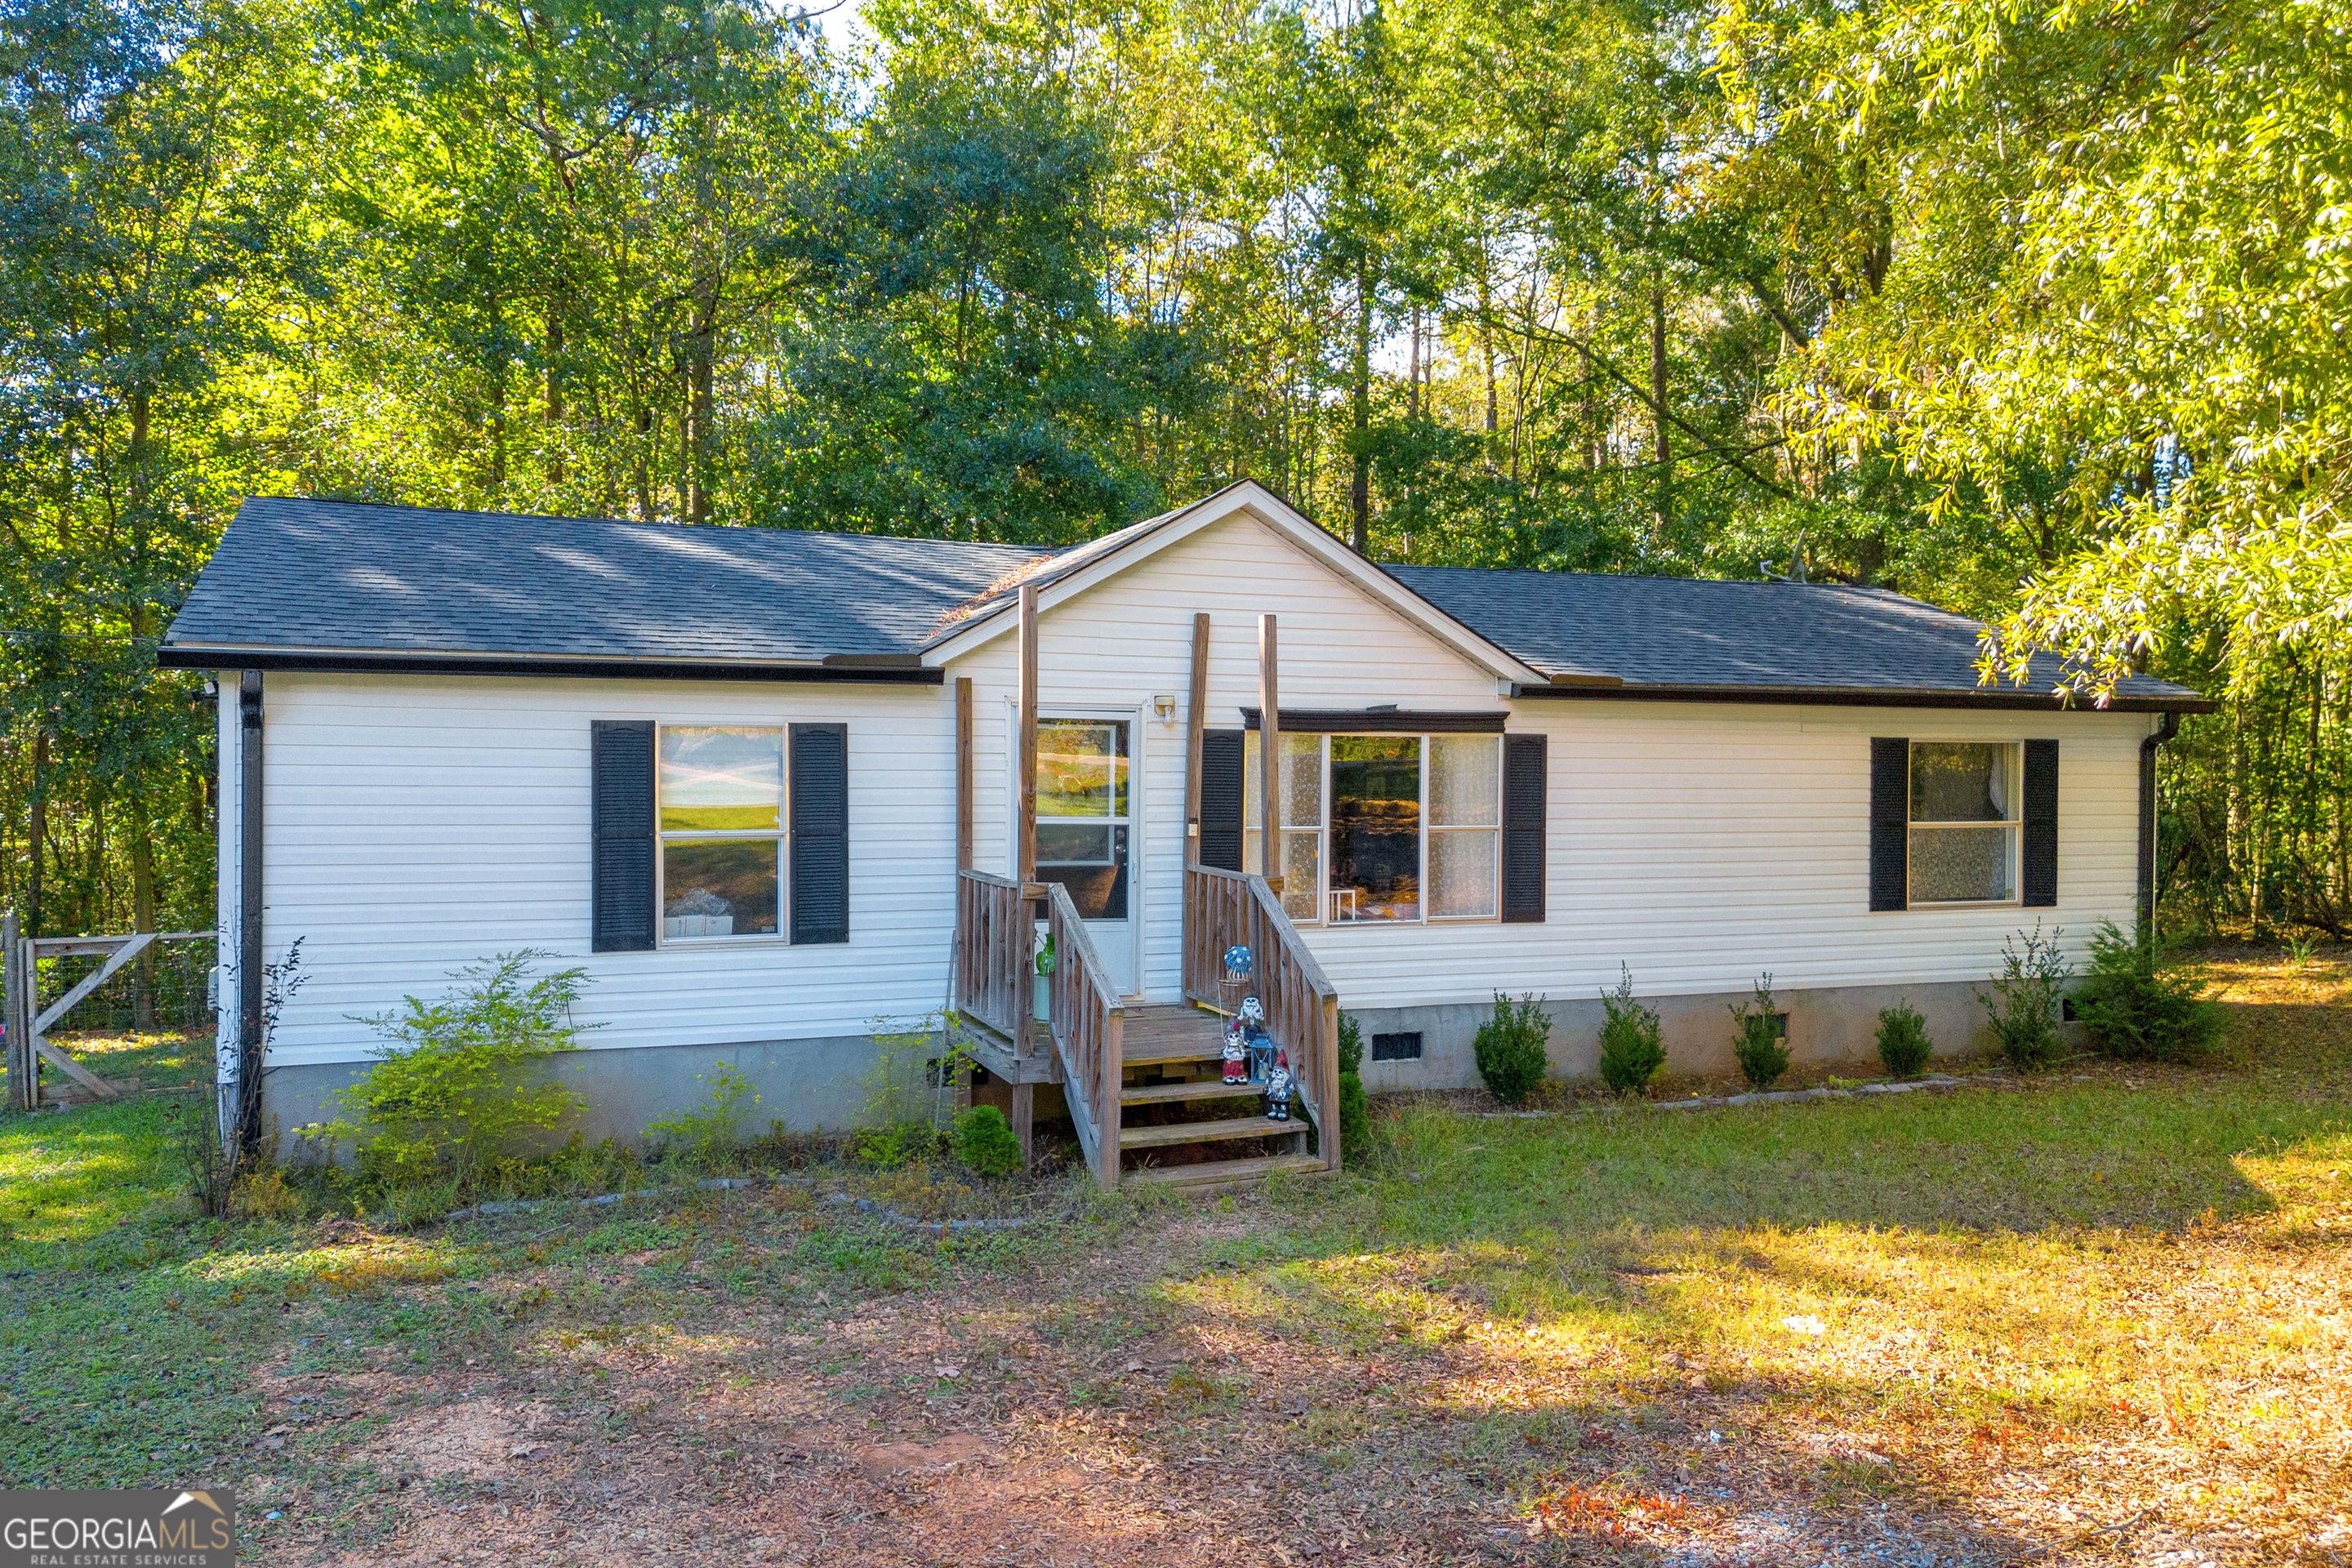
x=912, y=1082
x=2137, y=1004
x=1903, y=1043
x=1355, y=1110
x=708, y=1136
x=2025, y=1002
x=1758, y=1043
x=460, y=1082
x=900, y=1144
x=1632, y=1053
x=1510, y=1048
x=985, y=1143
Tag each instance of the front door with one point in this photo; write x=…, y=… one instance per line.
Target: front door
x=1086, y=835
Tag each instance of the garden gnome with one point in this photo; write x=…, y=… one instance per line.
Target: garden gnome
x=1253, y=1036
x=1278, y=1088
x=1236, y=1054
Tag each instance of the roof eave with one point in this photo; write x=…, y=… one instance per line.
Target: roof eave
x=885, y=669
x=1868, y=696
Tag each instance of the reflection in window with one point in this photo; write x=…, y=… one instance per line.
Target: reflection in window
x=1964, y=822
x=720, y=809
x=1082, y=813
x=1376, y=826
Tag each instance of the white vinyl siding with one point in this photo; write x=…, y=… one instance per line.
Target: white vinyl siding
x=415, y=824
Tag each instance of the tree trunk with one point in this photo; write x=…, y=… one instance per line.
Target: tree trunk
x=1664, y=455
x=644, y=464
x=704, y=349
x=38, y=828
x=1360, y=491
x=1413, y=369
x=1486, y=347
x=554, y=396
x=142, y=911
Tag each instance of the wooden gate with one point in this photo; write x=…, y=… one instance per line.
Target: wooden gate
x=30, y=1021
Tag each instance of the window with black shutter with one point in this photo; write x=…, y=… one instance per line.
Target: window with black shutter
x=621, y=819
x=2038, y=878
x=1525, y=783
x=820, y=833
x=1890, y=823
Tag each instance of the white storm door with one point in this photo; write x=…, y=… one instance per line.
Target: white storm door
x=1089, y=834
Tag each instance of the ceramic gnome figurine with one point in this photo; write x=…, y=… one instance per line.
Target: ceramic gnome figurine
x=1259, y=1045
x=1236, y=1054
x=1278, y=1088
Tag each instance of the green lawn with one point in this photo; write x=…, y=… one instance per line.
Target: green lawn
x=2102, y=1316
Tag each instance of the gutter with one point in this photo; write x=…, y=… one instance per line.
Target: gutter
x=250, y=1036
x=871, y=668
x=1859, y=697
x=2166, y=729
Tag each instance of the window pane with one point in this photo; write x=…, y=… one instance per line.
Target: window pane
x=722, y=780
x=1463, y=873
x=1376, y=826
x=1465, y=782
x=1301, y=785
x=1078, y=842
x=1081, y=768
x=1950, y=864
x=1959, y=782
x=723, y=887
x=1302, y=871
x=1093, y=868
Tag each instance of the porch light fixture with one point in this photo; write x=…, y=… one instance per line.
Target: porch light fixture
x=1164, y=709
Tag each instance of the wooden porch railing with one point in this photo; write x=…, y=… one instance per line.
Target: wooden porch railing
x=995, y=957
x=1088, y=1026
x=1223, y=908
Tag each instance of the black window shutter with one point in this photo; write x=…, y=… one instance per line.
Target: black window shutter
x=1523, y=785
x=621, y=819
x=820, y=832
x=2038, y=878
x=1221, y=799
x=1890, y=823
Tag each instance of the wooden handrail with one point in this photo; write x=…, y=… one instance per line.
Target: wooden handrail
x=1223, y=908
x=1089, y=1026
x=994, y=956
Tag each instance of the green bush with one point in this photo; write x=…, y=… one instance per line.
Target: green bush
x=1759, y=1046
x=1632, y=1053
x=2138, y=1005
x=2024, y=1000
x=1510, y=1048
x=707, y=1137
x=457, y=1085
x=1903, y=1043
x=985, y=1143
x=1355, y=1111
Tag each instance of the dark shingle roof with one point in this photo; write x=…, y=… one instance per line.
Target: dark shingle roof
x=1698, y=633
x=402, y=579
x=298, y=578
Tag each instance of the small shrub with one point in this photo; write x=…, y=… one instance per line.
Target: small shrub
x=707, y=1137
x=2138, y=1005
x=1759, y=1046
x=1633, y=1052
x=2024, y=1000
x=985, y=1143
x=900, y=1144
x=1355, y=1111
x=266, y=1194
x=1510, y=1048
x=209, y=1166
x=1903, y=1043
x=454, y=1087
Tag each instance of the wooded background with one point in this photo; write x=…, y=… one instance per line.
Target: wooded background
x=2037, y=315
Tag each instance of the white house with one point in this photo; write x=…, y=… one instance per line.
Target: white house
x=749, y=778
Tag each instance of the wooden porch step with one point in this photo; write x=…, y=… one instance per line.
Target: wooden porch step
x=1206, y=1132
x=1170, y=1035
x=1207, y=1089
x=1224, y=1173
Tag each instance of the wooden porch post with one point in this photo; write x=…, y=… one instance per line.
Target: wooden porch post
x=1025, y=853
x=963, y=773
x=1269, y=757
x=1196, y=720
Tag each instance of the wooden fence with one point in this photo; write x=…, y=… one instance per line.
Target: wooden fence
x=1227, y=909
x=993, y=959
x=30, y=1021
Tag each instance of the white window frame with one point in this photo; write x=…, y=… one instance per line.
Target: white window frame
x=1324, y=891
x=2014, y=826
x=783, y=935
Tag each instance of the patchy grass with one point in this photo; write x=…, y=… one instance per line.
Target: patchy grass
x=2101, y=1317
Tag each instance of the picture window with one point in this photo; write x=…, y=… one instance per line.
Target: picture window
x=720, y=815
